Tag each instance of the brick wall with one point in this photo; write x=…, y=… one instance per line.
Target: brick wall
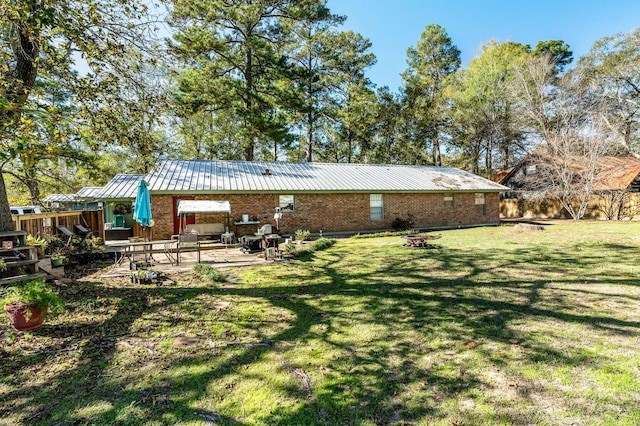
x=334, y=212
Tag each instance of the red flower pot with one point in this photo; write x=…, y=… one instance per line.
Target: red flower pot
x=25, y=317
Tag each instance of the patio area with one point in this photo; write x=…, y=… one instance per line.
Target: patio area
x=216, y=254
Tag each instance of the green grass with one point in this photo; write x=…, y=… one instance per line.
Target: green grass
x=492, y=327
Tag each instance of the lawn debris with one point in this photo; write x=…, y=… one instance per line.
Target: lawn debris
x=300, y=374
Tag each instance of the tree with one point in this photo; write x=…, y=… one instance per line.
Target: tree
x=612, y=71
x=40, y=37
x=572, y=133
x=558, y=51
x=481, y=112
x=430, y=62
x=234, y=64
x=309, y=50
x=387, y=144
x=352, y=96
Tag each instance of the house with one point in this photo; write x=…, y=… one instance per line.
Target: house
x=118, y=197
x=59, y=201
x=332, y=197
x=87, y=198
x=616, y=191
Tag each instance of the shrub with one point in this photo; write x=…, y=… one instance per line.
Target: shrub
x=209, y=272
x=302, y=235
x=290, y=249
x=402, y=224
x=323, y=243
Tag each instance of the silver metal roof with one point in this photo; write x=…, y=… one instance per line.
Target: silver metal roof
x=242, y=176
x=59, y=198
x=121, y=186
x=88, y=192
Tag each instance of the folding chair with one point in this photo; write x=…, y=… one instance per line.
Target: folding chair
x=187, y=242
x=67, y=233
x=83, y=231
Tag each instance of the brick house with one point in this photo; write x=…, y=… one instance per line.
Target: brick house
x=332, y=197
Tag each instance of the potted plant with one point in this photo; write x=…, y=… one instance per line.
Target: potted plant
x=28, y=304
x=38, y=242
x=57, y=258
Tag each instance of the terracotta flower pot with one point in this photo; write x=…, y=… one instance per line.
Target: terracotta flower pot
x=25, y=317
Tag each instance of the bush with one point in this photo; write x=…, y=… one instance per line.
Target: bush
x=402, y=224
x=323, y=243
x=209, y=272
x=290, y=249
x=302, y=235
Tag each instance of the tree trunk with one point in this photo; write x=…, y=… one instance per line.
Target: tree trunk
x=6, y=224
x=18, y=85
x=250, y=143
x=437, y=160
x=309, y=153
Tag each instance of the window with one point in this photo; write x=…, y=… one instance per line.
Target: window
x=480, y=204
x=448, y=200
x=286, y=203
x=376, y=206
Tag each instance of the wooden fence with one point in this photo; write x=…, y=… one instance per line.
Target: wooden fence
x=41, y=224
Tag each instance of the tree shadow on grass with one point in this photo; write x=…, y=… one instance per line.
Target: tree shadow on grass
x=418, y=319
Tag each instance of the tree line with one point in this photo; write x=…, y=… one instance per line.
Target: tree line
x=92, y=88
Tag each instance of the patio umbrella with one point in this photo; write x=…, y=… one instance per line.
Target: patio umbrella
x=142, y=210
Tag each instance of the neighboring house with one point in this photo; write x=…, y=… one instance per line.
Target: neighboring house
x=332, y=197
x=118, y=197
x=59, y=201
x=616, y=189
x=87, y=198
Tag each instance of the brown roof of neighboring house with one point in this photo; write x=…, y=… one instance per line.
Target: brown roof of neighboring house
x=616, y=173
x=500, y=176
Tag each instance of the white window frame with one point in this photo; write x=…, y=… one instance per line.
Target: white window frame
x=376, y=207
x=286, y=202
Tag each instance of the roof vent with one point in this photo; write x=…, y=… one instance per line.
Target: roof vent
x=266, y=172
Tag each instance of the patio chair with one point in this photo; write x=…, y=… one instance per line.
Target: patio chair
x=187, y=243
x=85, y=232
x=67, y=233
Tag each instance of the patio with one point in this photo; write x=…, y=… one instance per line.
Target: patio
x=215, y=254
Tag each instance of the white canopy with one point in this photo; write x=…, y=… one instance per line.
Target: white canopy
x=203, y=206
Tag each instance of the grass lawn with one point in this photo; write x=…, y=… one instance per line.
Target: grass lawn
x=493, y=326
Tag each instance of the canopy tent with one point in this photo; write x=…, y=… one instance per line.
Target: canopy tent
x=201, y=206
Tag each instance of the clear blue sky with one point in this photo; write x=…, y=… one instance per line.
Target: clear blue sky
x=394, y=25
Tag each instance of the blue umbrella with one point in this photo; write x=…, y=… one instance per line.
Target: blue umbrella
x=142, y=211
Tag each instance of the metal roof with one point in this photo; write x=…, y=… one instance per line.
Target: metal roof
x=59, y=198
x=213, y=176
x=88, y=192
x=121, y=186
